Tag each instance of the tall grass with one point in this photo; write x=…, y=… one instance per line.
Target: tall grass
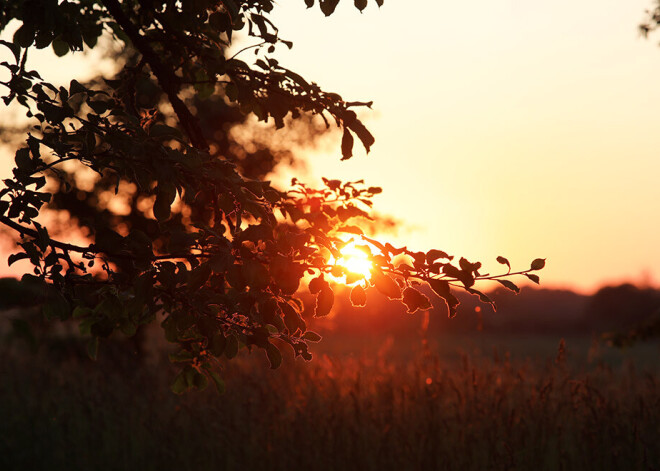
x=419, y=410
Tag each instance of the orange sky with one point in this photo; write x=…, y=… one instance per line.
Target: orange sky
x=519, y=128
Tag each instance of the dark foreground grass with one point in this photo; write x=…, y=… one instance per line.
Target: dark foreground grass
x=370, y=412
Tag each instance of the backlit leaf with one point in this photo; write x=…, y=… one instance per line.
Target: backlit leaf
x=386, y=285
x=358, y=296
x=483, y=297
x=415, y=300
x=441, y=288
x=311, y=336
x=316, y=284
x=324, y=301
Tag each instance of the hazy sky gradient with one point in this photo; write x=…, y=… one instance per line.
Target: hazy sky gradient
x=521, y=128
x=516, y=128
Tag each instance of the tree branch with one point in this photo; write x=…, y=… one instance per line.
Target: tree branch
x=92, y=248
x=167, y=80
x=32, y=233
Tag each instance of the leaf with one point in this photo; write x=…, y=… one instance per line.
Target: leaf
x=15, y=257
x=199, y=380
x=346, y=145
x=232, y=8
x=274, y=356
x=255, y=274
x=24, y=35
x=504, y=261
x=533, y=277
x=15, y=48
x=164, y=131
x=60, y=47
x=415, y=300
x=220, y=262
x=352, y=277
x=463, y=276
x=317, y=284
x=469, y=267
x=363, y=134
x=286, y=274
x=292, y=319
x=350, y=229
x=309, y=3
x=217, y=380
x=311, y=336
x=76, y=87
x=386, y=285
x=360, y=4
x=358, y=296
x=165, y=194
x=199, y=276
x=23, y=160
x=441, y=288
x=98, y=106
x=509, y=285
x=328, y=6
x=483, y=297
x=324, y=301
x=538, y=264
x=433, y=254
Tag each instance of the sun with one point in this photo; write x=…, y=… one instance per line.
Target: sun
x=355, y=259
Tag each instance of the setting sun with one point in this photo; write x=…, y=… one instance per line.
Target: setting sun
x=355, y=259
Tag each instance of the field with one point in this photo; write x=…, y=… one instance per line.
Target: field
x=457, y=402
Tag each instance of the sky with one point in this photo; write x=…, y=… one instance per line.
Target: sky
x=521, y=128
x=517, y=128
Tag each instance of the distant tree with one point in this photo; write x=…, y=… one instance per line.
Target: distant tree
x=626, y=313
x=220, y=254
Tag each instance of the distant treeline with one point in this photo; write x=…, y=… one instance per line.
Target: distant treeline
x=612, y=308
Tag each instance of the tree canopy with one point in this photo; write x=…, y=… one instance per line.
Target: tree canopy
x=200, y=239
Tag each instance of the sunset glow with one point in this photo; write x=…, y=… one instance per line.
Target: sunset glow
x=530, y=129
x=355, y=259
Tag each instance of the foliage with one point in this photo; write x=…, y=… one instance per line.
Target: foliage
x=224, y=255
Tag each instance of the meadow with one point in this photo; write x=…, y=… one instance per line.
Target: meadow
x=455, y=402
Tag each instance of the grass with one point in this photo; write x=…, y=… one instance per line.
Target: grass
x=360, y=405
